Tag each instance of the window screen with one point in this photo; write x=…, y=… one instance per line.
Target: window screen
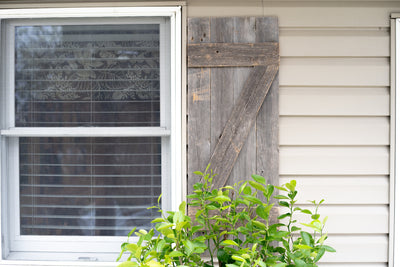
x=87, y=76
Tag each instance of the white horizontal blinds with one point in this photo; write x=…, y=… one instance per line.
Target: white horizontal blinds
x=88, y=186
x=87, y=75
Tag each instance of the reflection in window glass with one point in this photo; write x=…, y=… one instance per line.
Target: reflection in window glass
x=88, y=186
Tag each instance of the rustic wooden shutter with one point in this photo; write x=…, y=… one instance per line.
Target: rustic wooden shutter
x=233, y=98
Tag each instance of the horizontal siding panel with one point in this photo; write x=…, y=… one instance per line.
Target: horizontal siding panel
x=334, y=72
x=302, y=14
x=349, y=219
x=351, y=190
x=358, y=248
x=334, y=101
x=334, y=131
x=334, y=43
x=334, y=160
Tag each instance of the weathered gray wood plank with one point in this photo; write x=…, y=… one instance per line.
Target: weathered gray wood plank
x=232, y=54
x=225, y=85
x=268, y=117
x=245, y=164
x=241, y=120
x=198, y=106
x=222, y=94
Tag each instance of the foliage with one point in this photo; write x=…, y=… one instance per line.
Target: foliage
x=232, y=225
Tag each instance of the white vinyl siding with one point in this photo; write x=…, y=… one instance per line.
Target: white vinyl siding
x=334, y=114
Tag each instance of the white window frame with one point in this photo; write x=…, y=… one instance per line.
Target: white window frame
x=170, y=131
x=394, y=231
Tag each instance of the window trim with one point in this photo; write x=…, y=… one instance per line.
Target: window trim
x=394, y=203
x=173, y=133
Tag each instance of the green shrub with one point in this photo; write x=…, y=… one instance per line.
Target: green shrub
x=232, y=226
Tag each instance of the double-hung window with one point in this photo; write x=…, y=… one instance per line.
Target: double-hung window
x=90, y=128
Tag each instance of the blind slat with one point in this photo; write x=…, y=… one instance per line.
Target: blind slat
x=95, y=195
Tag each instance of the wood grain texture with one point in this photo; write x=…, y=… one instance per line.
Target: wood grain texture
x=198, y=106
x=241, y=120
x=232, y=54
x=227, y=85
x=268, y=117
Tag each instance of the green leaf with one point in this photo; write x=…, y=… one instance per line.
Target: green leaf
x=229, y=242
x=283, y=216
x=178, y=217
x=157, y=220
x=261, y=263
x=291, y=185
x=222, y=256
x=295, y=228
x=258, y=178
x=247, y=190
x=320, y=253
x=281, y=264
x=252, y=199
x=238, y=258
x=322, y=238
x=315, y=216
x=328, y=248
x=228, y=187
x=260, y=210
x=257, y=186
x=198, y=173
x=189, y=247
x=281, y=234
x=222, y=198
x=301, y=246
x=128, y=264
x=131, y=232
x=284, y=204
x=132, y=247
x=270, y=190
x=280, y=197
x=154, y=263
x=259, y=224
x=164, y=226
x=324, y=220
x=306, y=211
x=182, y=207
x=242, y=187
x=306, y=238
x=281, y=188
x=176, y=254
x=299, y=263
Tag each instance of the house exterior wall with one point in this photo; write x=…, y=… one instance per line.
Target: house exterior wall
x=334, y=111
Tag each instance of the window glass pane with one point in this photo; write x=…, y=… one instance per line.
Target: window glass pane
x=88, y=186
x=87, y=75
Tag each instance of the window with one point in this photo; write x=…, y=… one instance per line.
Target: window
x=90, y=128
